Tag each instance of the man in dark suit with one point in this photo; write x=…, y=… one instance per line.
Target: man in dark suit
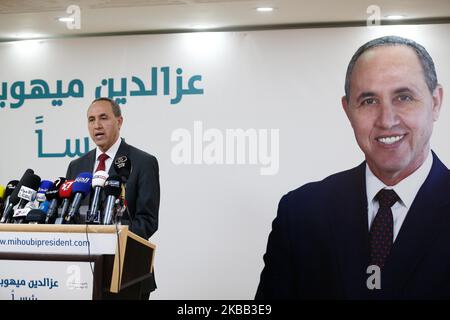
x=142, y=187
x=380, y=230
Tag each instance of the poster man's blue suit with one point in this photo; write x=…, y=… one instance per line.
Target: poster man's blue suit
x=319, y=244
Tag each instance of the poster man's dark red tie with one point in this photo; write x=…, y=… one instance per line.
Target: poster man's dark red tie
x=101, y=165
x=382, y=229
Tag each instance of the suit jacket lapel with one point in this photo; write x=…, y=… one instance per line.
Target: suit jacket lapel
x=88, y=166
x=350, y=232
x=421, y=226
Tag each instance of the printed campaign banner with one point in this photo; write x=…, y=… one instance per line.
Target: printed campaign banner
x=46, y=280
x=235, y=119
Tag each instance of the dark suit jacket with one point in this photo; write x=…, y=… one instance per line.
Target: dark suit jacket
x=142, y=189
x=319, y=244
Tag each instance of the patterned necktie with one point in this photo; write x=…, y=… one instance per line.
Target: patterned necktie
x=382, y=230
x=102, y=165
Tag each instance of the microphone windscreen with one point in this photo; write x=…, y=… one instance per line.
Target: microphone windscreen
x=99, y=179
x=53, y=192
x=58, y=182
x=122, y=165
x=36, y=215
x=29, y=187
x=83, y=183
x=43, y=188
x=66, y=189
x=44, y=206
x=14, y=199
x=112, y=186
x=10, y=187
x=32, y=181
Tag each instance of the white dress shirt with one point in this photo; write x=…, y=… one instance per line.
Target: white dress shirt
x=406, y=189
x=111, y=153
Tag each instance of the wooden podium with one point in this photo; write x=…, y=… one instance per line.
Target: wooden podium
x=73, y=262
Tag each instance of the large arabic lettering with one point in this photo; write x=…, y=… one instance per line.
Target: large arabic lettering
x=32, y=284
x=142, y=91
x=68, y=149
x=67, y=152
x=39, y=89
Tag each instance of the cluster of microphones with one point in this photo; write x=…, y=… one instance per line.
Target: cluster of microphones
x=35, y=201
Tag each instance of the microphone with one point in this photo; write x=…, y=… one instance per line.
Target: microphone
x=80, y=188
x=36, y=216
x=112, y=192
x=65, y=191
x=44, y=206
x=98, y=181
x=2, y=195
x=40, y=195
x=28, y=189
x=27, y=195
x=52, y=196
x=14, y=198
x=8, y=191
x=43, y=188
x=21, y=213
x=123, y=167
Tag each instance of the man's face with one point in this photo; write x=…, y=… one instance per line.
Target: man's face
x=103, y=125
x=392, y=111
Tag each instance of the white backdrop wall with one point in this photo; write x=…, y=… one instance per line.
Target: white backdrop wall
x=214, y=218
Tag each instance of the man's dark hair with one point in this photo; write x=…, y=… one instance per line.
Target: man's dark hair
x=428, y=68
x=114, y=105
